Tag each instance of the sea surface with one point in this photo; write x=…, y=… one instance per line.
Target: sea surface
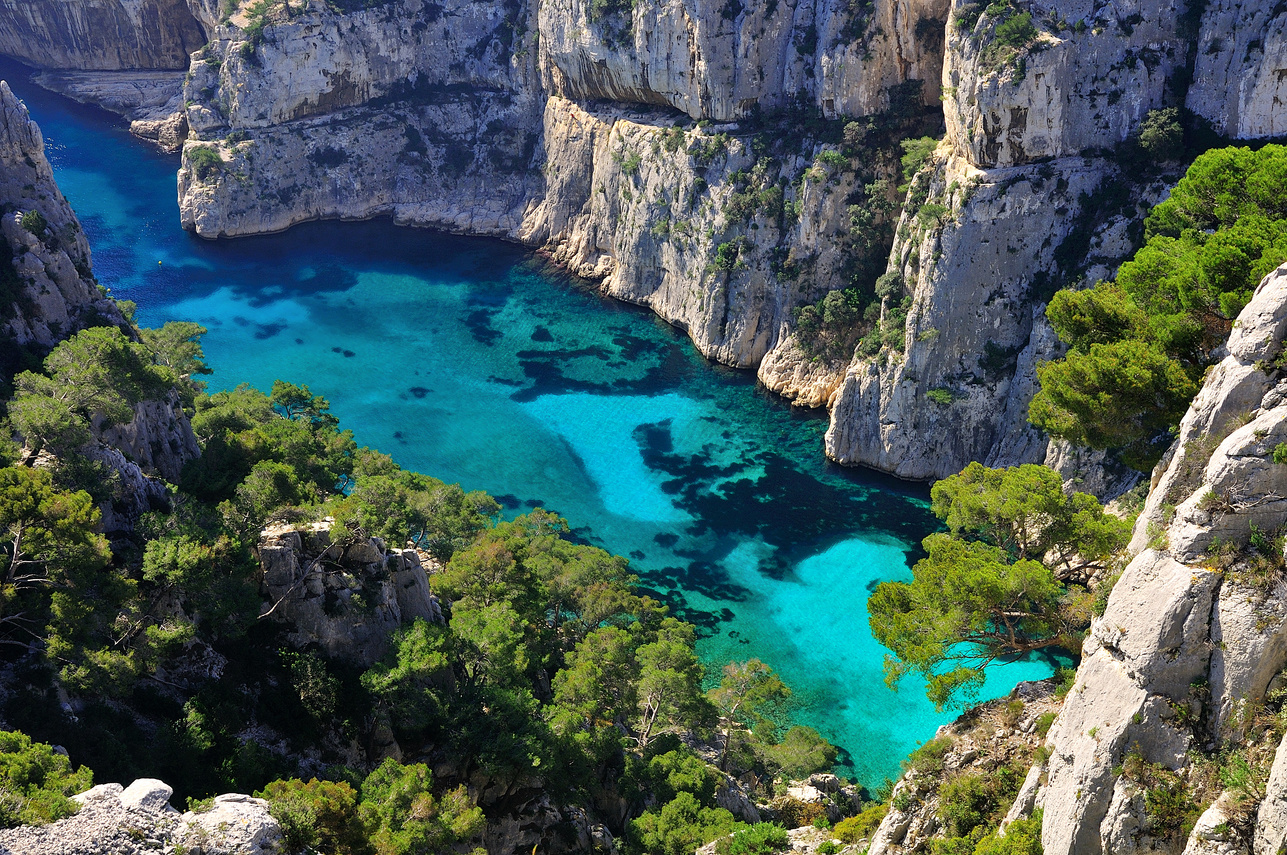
x=470, y=360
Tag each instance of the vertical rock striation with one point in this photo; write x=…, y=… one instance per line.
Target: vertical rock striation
x=102, y=35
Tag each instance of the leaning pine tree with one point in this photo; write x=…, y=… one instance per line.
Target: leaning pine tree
x=986, y=590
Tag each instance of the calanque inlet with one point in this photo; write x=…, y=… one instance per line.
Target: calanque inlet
x=797, y=426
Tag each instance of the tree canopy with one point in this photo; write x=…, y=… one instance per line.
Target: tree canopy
x=992, y=586
x=1138, y=346
x=966, y=606
x=1026, y=512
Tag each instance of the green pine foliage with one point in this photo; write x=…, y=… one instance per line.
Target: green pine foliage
x=1004, y=580
x=35, y=782
x=1138, y=346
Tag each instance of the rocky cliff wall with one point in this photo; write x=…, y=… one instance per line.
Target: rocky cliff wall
x=1240, y=73
x=724, y=60
x=694, y=223
x=1020, y=199
x=1078, y=80
x=49, y=289
x=110, y=34
x=425, y=112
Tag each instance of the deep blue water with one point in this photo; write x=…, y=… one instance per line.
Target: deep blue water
x=469, y=360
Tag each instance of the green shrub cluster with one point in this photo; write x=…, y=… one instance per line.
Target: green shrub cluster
x=36, y=781
x=204, y=160
x=34, y=222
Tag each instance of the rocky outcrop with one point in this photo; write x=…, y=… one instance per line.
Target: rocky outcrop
x=726, y=60
x=138, y=819
x=345, y=597
x=100, y=34
x=159, y=438
x=1239, y=79
x=1002, y=733
x=804, y=380
x=47, y=289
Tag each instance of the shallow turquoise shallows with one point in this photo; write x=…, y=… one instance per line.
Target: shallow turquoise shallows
x=467, y=359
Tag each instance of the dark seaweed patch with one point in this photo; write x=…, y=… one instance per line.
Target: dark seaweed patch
x=266, y=331
x=479, y=322
x=418, y=392
x=664, y=366
x=784, y=507
x=542, y=334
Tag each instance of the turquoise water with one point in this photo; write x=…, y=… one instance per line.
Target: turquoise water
x=467, y=359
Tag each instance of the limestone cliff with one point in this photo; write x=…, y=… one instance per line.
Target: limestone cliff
x=1195, y=631
x=726, y=60
x=988, y=233
x=100, y=34
x=977, y=259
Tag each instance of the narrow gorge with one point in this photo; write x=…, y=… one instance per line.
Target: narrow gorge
x=869, y=205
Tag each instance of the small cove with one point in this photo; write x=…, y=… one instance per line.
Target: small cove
x=468, y=359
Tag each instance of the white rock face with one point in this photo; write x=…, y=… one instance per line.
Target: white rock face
x=138, y=819
x=236, y=825
x=803, y=381
x=652, y=232
x=1271, y=816
x=718, y=60
x=100, y=34
x=1211, y=834
x=1239, y=81
x=1085, y=81
x=147, y=794
x=1171, y=622
x=310, y=582
x=159, y=440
